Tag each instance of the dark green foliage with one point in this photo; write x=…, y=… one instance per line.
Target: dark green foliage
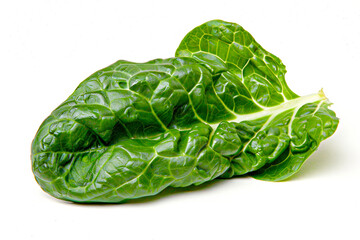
x=220, y=108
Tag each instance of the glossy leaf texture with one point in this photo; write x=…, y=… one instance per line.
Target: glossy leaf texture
x=220, y=108
x=248, y=79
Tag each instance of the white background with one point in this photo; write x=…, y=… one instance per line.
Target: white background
x=48, y=47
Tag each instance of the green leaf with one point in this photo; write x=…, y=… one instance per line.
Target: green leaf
x=226, y=49
x=220, y=108
x=251, y=84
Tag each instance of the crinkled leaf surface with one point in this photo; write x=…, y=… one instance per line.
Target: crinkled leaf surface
x=251, y=84
x=220, y=108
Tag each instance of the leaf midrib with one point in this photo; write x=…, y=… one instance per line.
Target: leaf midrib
x=287, y=105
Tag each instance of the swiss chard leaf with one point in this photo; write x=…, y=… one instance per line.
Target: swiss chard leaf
x=251, y=84
x=220, y=108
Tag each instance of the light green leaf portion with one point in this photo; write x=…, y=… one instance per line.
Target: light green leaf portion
x=226, y=49
x=250, y=82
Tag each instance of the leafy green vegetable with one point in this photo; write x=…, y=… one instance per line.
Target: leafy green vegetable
x=220, y=108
